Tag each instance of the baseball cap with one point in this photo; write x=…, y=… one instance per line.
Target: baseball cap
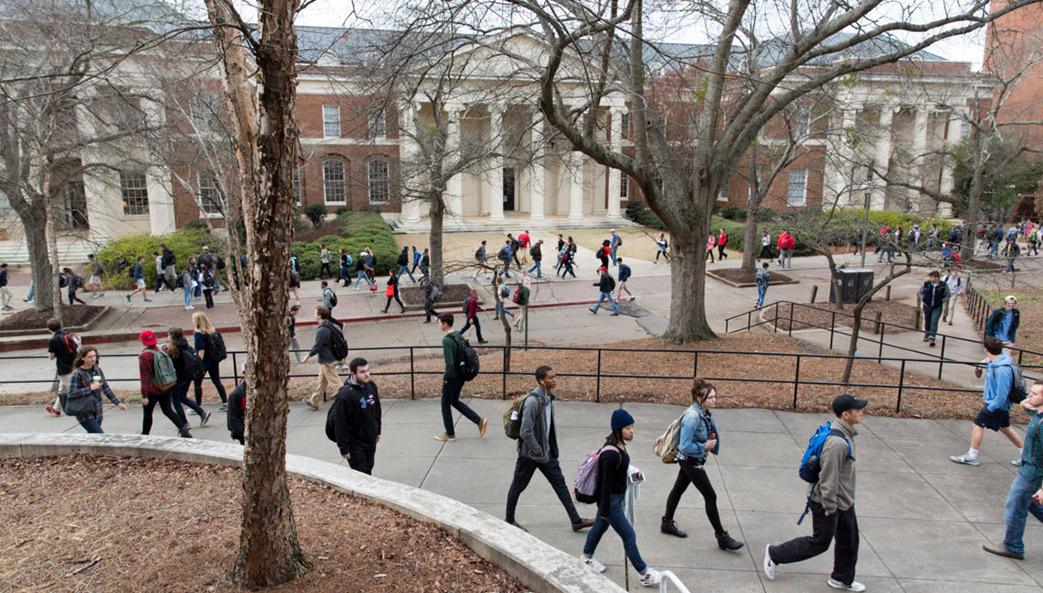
x=148, y=338
x=603, y=269
x=1010, y=297
x=846, y=401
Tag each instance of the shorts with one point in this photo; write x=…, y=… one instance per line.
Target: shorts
x=140, y=283
x=992, y=420
x=94, y=280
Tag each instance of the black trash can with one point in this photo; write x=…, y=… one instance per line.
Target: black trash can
x=852, y=284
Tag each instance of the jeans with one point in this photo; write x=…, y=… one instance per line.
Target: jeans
x=477, y=327
x=786, y=258
x=215, y=376
x=762, y=289
x=93, y=425
x=690, y=472
x=523, y=471
x=536, y=266
x=179, y=399
x=619, y=522
x=451, y=399
x=931, y=315
x=612, y=255
x=568, y=269
x=360, y=277
x=295, y=348
x=841, y=526
x=500, y=308
x=362, y=455
x=32, y=291
x=345, y=275
x=405, y=270
x=188, y=296
x=607, y=295
x=429, y=308
x=1015, y=512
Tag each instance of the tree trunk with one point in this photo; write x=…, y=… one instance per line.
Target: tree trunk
x=52, y=248
x=751, y=239
x=436, y=214
x=824, y=250
x=971, y=217
x=497, y=281
x=687, y=289
x=856, y=330
x=34, y=221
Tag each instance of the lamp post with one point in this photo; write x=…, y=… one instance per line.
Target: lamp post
x=867, y=186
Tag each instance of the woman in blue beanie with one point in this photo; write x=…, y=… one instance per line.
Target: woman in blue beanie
x=613, y=462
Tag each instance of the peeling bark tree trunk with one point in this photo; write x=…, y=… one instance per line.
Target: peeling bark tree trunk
x=34, y=222
x=971, y=217
x=687, y=289
x=497, y=281
x=751, y=241
x=856, y=330
x=52, y=248
x=266, y=138
x=436, y=214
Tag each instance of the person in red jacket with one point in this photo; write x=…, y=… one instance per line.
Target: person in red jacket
x=722, y=240
x=471, y=308
x=786, y=245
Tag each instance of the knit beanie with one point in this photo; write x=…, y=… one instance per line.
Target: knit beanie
x=621, y=419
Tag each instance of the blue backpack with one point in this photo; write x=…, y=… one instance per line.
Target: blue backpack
x=810, y=464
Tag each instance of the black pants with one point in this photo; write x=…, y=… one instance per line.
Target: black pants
x=690, y=472
x=429, y=309
x=477, y=327
x=841, y=526
x=161, y=280
x=208, y=294
x=362, y=455
x=720, y=252
x=164, y=404
x=75, y=299
x=451, y=399
x=325, y=269
x=397, y=300
x=523, y=471
x=215, y=376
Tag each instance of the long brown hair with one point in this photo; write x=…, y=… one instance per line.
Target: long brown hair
x=82, y=353
x=701, y=390
x=174, y=337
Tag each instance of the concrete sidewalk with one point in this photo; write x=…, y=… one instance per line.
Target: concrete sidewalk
x=922, y=518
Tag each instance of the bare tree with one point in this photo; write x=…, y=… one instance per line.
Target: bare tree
x=260, y=77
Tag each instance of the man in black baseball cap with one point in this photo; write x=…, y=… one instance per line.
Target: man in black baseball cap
x=832, y=504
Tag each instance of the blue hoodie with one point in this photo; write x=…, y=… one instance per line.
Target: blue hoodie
x=999, y=376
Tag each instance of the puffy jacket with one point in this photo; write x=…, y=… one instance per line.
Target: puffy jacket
x=537, y=438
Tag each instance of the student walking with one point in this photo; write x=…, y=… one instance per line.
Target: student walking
x=161, y=275
x=762, y=279
x=416, y=259
x=323, y=348
x=86, y=385
x=606, y=285
x=73, y=283
x=956, y=286
x=344, y=273
x=5, y=291
x=138, y=272
x=538, y=450
x=537, y=258
x=504, y=255
x=995, y=414
x=356, y=416
x=362, y=272
x=505, y=293
x=699, y=436
x=62, y=349
x=603, y=253
x=1025, y=495
x=295, y=347
x=188, y=367
x=765, y=246
x=613, y=462
x=1004, y=321
x=325, y=258
x=521, y=297
x=209, y=283
x=832, y=504
x=786, y=245
x=431, y=294
x=453, y=383
x=151, y=394
x=471, y=309
x=481, y=258
x=722, y=242
x=210, y=347
x=662, y=248
x=615, y=242
x=94, y=282
x=933, y=295
x=403, y=264
x=624, y=275
x=391, y=292
x=188, y=282
x=329, y=298
x=711, y=242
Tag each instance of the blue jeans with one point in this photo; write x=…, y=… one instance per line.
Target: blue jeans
x=93, y=425
x=405, y=270
x=930, y=318
x=188, y=295
x=360, y=277
x=29, y=296
x=619, y=522
x=539, y=270
x=761, y=291
x=612, y=255
x=1015, y=512
x=504, y=309
x=607, y=295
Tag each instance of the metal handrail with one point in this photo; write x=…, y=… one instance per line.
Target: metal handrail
x=670, y=577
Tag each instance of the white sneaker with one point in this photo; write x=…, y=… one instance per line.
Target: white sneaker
x=769, y=565
x=593, y=563
x=651, y=578
x=1016, y=462
x=965, y=459
x=854, y=586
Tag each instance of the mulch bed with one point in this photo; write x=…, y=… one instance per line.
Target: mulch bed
x=985, y=265
x=807, y=318
x=155, y=525
x=451, y=294
x=742, y=278
x=30, y=319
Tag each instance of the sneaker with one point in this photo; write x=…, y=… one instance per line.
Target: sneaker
x=204, y=419
x=128, y=297
x=483, y=424
x=189, y=308
x=999, y=550
x=594, y=311
x=965, y=459
x=651, y=578
x=311, y=406
x=1016, y=462
x=222, y=408
x=192, y=412
x=615, y=315
x=445, y=438
x=769, y=564
x=148, y=300
x=52, y=412
x=854, y=586
x=593, y=563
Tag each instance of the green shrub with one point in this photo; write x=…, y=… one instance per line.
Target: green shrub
x=183, y=242
x=733, y=213
x=358, y=231
x=342, y=210
x=316, y=213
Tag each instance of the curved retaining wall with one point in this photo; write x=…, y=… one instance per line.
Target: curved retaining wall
x=540, y=567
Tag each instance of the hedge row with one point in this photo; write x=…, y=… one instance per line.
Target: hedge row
x=358, y=231
x=121, y=254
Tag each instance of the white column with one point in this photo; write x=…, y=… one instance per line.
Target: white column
x=919, y=155
x=408, y=161
x=575, y=170
x=536, y=194
x=883, y=157
x=454, y=199
x=952, y=137
x=840, y=169
x=494, y=176
x=615, y=177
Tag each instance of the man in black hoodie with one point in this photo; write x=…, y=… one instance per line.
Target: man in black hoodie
x=357, y=418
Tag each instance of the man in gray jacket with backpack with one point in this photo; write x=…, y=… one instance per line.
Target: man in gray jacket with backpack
x=538, y=448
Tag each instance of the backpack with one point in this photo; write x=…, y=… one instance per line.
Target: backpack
x=517, y=298
x=403, y=259
x=466, y=303
x=600, y=253
x=193, y=364
x=666, y=445
x=619, y=243
x=331, y=420
x=333, y=297
x=587, y=481
x=467, y=358
x=479, y=254
x=1017, y=392
x=809, y=464
x=72, y=342
x=338, y=345
x=208, y=279
x=436, y=293
x=215, y=347
x=512, y=417
x=220, y=263
x=503, y=254
x=164, y=375
x=611, y=283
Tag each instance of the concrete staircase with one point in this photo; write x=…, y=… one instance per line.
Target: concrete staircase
x=71, y=251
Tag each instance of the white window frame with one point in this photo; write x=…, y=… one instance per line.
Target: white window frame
x=331, y=121
x=377, y=123
x=722, y=194
x=331, y=186
x=624, y=124
x=134, y=188
x=624, y=186
x=379, y=181
x=797, y=190
x=208, y=187
x=297, y=184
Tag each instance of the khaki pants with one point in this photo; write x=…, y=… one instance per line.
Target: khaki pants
x=327, y=376
x=63, y=386
x=950, y=308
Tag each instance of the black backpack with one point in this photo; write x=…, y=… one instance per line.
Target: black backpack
x=220, y=263
x=333, y=297
x=611, y=283
x=466, y=358
x=331, y=420
x=338, y=345
x=403, y=259
x=192, y=363
x=215, y=348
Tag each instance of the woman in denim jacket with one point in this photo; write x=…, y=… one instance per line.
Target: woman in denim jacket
x=698, y=437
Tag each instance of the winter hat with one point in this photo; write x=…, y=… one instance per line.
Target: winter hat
x=621, y=419
x=1010, y=297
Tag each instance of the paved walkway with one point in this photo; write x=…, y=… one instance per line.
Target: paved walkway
x=922, y=518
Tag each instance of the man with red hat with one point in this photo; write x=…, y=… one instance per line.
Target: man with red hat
x=606, y=285
x=151, y=391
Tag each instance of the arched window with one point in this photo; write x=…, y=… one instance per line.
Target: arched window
x=333, y=182
x=379, y=182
